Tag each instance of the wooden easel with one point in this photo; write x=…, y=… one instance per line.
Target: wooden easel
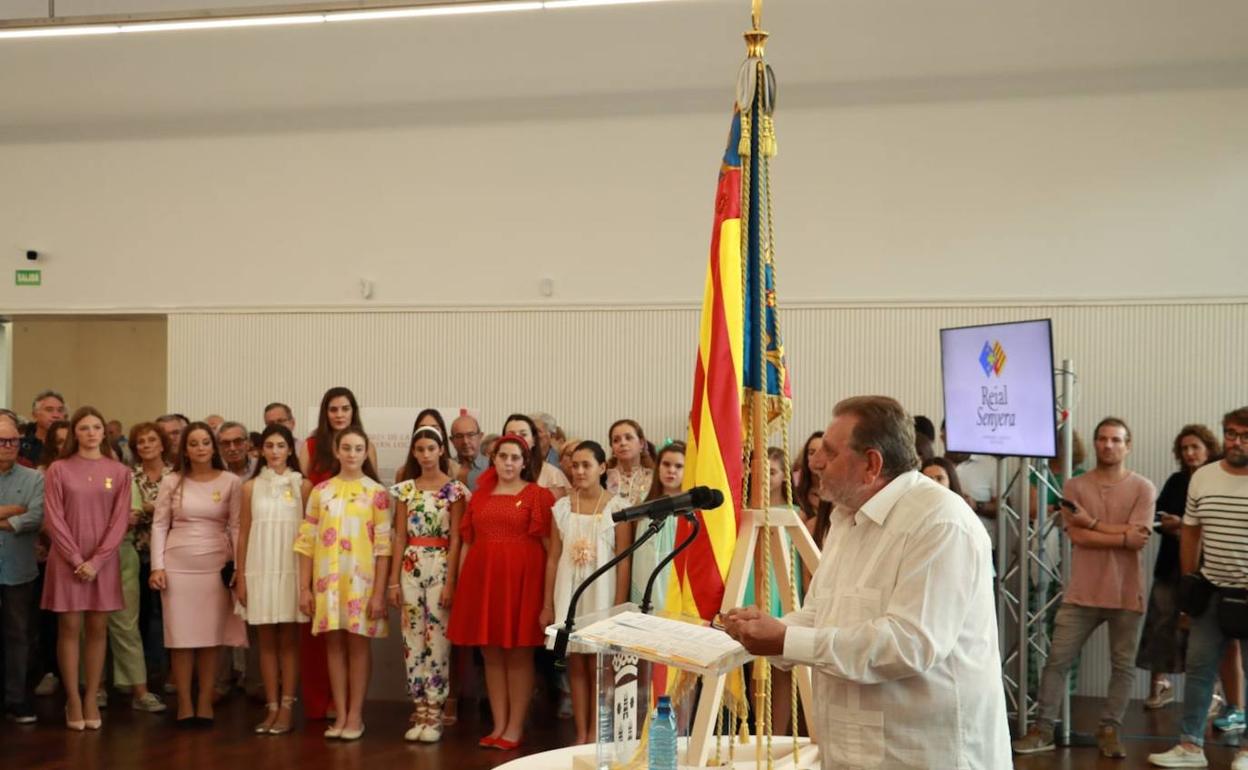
x=753, y=528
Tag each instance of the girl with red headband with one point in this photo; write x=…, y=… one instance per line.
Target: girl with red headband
x=498, y=604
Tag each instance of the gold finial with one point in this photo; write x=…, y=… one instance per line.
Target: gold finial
x=756, y=38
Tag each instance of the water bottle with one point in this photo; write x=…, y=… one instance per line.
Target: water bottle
x=663, y=736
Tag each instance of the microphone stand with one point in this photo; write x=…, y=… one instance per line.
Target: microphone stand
x=562, y=635
x=692, y=518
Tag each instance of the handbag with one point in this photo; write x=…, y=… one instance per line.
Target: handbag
x=1195, y=591
x=1233, y=612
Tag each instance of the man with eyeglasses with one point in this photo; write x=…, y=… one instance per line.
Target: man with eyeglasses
x=48, y=407
x=1215, y=524
x=235, y=443
x=21, y=515
x=466, y=436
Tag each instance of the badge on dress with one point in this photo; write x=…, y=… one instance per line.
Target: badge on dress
x=216, y=496
x=287, y=495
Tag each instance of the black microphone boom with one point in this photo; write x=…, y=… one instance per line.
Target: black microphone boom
x=698, y=498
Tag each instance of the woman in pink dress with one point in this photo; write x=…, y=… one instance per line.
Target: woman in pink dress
x=86, y=513
x=193, y=534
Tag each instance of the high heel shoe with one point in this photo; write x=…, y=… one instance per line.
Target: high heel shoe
x=265, y=727
x=333, y=732
x=92, y=724
x=488, y=742
x=506, y=745
x=76, y=725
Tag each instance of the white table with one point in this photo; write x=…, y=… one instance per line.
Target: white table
x=561, y=759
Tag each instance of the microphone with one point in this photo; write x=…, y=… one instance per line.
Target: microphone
x=699, y=498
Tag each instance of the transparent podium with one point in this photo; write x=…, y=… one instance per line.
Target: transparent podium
x=635, y=652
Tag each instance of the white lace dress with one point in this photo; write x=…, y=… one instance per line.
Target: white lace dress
x=272, y=565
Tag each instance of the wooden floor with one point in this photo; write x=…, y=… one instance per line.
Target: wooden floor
x=132, y=739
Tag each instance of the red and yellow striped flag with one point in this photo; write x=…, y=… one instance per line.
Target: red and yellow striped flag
x=714, y=453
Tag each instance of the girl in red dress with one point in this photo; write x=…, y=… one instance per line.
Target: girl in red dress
x=499, y=601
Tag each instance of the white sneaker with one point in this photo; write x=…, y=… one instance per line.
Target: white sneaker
x=47, y=685
x=101, y=698
x=1241, y=761
x=150, y=703
x=1179, y=757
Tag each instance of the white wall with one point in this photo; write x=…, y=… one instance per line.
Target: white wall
x=1087, y=196
x=1158, y=366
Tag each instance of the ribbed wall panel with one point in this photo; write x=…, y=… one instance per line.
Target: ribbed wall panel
x=1156, y=366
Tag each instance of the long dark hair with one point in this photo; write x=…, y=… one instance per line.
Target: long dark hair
x=437, y=419
x=594, y=448
x=821, y=513
x=951, y=471
x=277, y=429
x=324, y=437
x=52, y=449
x=71, y=440
x=354, y=430
x=184, y=462
x=411, y=467
x=656, y=485
x=534, y=466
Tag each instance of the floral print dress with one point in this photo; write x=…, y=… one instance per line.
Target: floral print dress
x=426, y=650
x=345, y=529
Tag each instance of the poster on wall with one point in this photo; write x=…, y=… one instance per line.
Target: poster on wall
x=390, y=430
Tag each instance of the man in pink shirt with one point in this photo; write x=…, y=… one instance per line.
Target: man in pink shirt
x=1108, y=530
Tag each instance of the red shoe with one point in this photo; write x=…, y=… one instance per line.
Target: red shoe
x=506, y=745
x=488, y=743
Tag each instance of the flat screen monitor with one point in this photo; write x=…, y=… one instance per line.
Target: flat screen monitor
x=998, y=385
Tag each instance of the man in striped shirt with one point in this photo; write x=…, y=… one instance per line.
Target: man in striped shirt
x=1216, y=522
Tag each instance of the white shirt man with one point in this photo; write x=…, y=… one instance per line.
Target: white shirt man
x=899, y=625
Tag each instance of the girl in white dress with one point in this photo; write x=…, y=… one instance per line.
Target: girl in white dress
x=267, y=575
x=583, y=539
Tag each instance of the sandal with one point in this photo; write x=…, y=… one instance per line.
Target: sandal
x=264, y=727
x=288, y=705
x=450, y=711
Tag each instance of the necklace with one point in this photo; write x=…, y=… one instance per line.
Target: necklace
x=582, y=550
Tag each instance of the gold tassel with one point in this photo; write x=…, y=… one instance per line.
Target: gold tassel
x=768, y=140
x=743, y=146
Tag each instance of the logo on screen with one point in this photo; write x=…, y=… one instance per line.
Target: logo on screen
x=992, y=359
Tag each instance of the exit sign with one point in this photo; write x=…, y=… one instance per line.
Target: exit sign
x=28, y=278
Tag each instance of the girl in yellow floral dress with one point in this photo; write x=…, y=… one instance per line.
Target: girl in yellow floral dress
x=344, y=549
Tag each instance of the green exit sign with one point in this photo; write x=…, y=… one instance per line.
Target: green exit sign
x=28, y=278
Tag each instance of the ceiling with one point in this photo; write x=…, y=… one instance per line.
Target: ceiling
x=673, y=56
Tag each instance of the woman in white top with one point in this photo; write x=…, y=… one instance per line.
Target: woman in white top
x=267, y=576
x=583, y=539
x=548, y=475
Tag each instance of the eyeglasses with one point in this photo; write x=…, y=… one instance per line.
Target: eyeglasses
x=234, y=442
x=10, y=442
x=463, y=436
x=1232, y=436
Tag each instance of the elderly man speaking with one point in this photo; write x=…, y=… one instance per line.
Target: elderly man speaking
x=899, y=625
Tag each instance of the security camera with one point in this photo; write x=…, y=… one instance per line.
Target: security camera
x=32, y=255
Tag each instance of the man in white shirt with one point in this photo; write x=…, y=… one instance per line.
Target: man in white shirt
x=899, y=624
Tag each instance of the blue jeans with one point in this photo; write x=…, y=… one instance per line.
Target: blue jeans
x=1205, y=646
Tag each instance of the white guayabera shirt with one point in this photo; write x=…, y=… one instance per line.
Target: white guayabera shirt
x=899, y=627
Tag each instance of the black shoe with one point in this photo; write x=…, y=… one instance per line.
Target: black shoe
x=204, y=723
x=22, y=715
x=186, y=723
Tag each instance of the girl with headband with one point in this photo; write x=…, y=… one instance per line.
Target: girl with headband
x=429, y=506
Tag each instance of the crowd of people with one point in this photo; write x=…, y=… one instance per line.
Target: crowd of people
x=176, y=544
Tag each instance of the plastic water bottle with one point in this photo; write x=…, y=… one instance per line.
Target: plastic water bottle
x=663, y=736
